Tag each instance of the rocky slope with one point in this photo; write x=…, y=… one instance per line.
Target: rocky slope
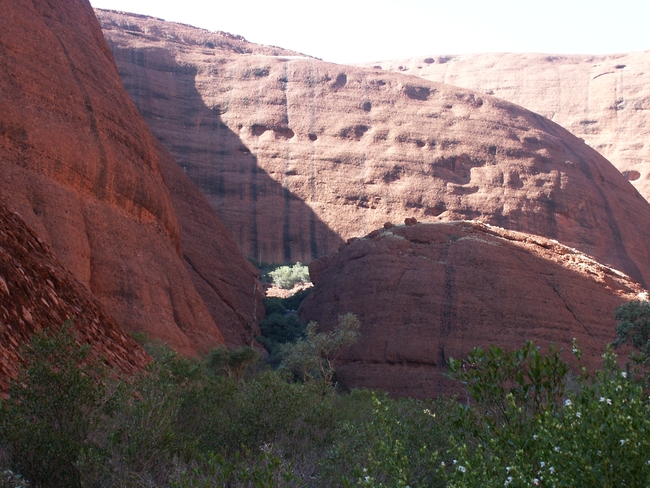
x=428, y=292
x=603, y=99
x=81, y=167
x=297, y=155
x=37, y=292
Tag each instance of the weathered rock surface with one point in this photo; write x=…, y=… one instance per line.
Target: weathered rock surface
x=227, y=282
x=603, y=99
x=37, y=292
x=428, y=292
x=81, y=167
x=297, y=155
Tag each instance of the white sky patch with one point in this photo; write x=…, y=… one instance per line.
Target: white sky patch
x=349, y=31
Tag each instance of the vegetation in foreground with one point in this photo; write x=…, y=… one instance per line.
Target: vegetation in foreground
x=226, y=421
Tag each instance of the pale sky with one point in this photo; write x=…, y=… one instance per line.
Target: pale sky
x=349, y=31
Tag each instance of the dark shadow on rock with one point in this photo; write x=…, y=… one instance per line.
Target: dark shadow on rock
x=267, y=220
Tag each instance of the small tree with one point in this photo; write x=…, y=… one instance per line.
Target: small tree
x=313, y=356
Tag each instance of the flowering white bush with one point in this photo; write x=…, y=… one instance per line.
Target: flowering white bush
x=597, y=436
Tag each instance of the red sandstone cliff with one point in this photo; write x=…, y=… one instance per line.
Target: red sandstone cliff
x=81, y=167
x=604, y=99
x=37, y=292
x=428, y=292
x=297, y=155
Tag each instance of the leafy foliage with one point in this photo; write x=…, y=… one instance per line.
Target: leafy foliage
x=598, y=435
x=313, y=356
x=233, y=363
x=287, y=276
x=508, y=385
x=191, y=423
x=58, y=399
x=634, y=325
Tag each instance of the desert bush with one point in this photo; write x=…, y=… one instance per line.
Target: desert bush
x=314, y=355
x=233, y=363
x=281, y=325
x=277, y=330
x=384, y=442
x=287, y=276
x=59, y=398
x=634, y=329
x=190, y=423
x=497, y=379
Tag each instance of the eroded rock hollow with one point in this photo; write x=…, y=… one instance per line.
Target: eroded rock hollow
x=604, y=99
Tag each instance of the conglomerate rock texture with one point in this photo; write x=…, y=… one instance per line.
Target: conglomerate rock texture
x=81, y=167
x=427, y=292
x=37, y=292
x=603, y=99
x=297, y=155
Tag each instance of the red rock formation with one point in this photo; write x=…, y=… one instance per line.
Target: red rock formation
x=81, y=167
x=428, y=292
x=297, y=155
x=603, y=99
x=227, y=282
x=37, y=292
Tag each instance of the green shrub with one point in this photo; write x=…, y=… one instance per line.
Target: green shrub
x=233, y=363
x=313, y=356
x=287, y=276
x=59, y=398
x=281, y=325
x=190, y=423
x=598, y=435
x=634, y=329
x=383, y=442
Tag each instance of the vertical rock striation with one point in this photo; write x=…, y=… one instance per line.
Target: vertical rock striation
x=81, y=167
x=297, y=155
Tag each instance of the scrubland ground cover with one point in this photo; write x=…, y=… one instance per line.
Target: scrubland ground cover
x=229, y=421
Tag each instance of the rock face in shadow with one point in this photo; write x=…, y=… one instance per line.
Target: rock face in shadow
x=296, y=154
x=263, y=211
x=226, y=282
x=603, y=99
x=37, y=292
x=81, y=167
x=427, y=292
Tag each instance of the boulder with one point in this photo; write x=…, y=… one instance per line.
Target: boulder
x=428, y=292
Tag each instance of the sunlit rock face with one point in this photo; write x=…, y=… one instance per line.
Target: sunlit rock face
x=298, y=155
x=603, y=99
x=80, y=166
x=427, y=292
